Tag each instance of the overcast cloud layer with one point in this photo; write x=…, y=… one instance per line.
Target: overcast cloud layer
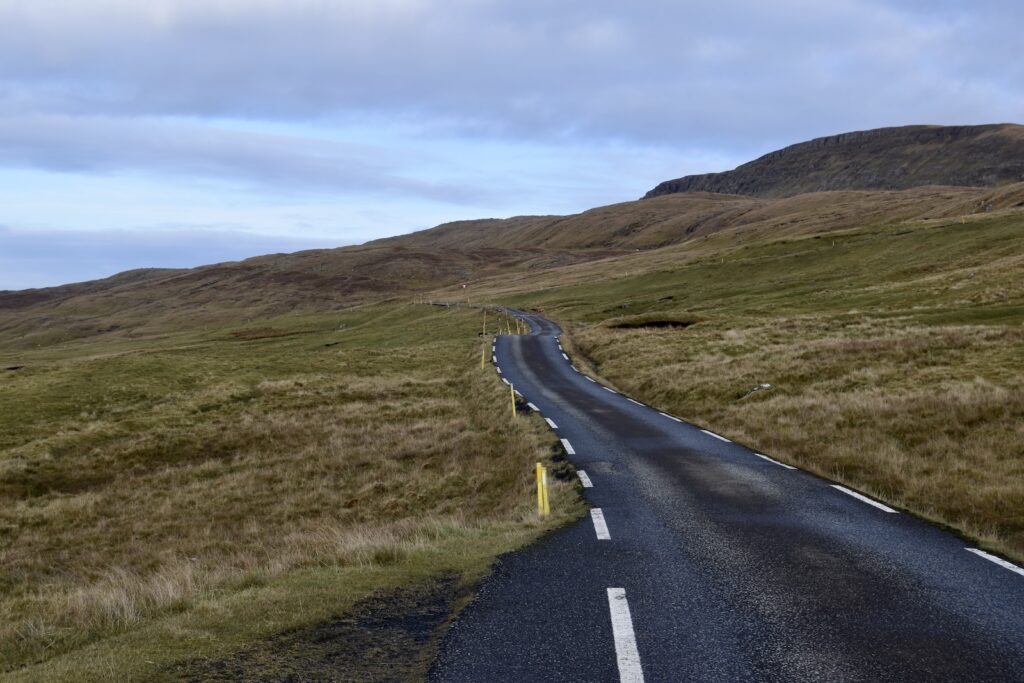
x=335, y=122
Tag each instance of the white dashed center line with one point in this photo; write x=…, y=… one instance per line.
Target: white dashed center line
x=568, y=447
x=775, y=462
x=600, y=527
x=551, y=423
x=863, y=499
x=585, y=479
x=720, y=438
x=1001, y=562
x=625, y=639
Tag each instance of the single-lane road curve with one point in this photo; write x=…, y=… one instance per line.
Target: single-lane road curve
x=705, y=561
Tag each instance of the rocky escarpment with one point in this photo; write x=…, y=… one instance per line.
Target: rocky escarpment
x=881, y=159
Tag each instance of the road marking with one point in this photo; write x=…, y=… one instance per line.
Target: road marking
x=611, y=390
x=625, y=639
x=565, y=356
x=585, y=479
x=533, y=408
x=670, y=417
x=560, y=348
x=592, y=380
x=568, y=447
x=575, y=369
x=720, y=438
x=863, y=499
x=494, y=359
x=992, y=558
x=506, y=381
x=517, y=393
x=776, y=462
x=499, y=371
x=636, y=402
x=551, y=423
x=600, y=527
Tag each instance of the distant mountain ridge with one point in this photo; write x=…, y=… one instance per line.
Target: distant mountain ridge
x=881, y=159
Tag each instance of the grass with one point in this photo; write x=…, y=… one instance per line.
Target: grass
x=895, y=356
x=189, y=494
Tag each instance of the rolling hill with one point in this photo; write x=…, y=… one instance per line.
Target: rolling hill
x=882, y=159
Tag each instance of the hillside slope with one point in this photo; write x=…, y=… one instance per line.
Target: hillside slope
x=150, y=301
x=883, y=159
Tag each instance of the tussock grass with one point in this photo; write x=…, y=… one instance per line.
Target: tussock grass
x=138, y=486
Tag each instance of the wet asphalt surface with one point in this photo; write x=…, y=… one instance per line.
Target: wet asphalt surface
x=735, y=568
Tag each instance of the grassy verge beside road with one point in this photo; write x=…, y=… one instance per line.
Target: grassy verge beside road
x=187, y=496
x=895, y=357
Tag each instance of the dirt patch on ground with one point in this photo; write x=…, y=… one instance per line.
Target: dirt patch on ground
x=261, y=333
x=387, y=637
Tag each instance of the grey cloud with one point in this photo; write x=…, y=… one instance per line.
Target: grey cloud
x=728, y=74
x=106, y=144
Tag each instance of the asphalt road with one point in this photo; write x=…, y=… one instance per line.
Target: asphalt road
x=720, y=565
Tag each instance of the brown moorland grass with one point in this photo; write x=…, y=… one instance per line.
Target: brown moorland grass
x=153, y=493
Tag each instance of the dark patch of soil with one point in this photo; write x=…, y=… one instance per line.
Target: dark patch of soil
x=652, y=324
x=12, y=368
x=389, y=636
x=261, y=333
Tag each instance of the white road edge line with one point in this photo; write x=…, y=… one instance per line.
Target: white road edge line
x=533, y=408
x=517, y=393
x=551, y=423
x=998, y=560
x=636, y=402
x=506, y=381
x=611, y=390
x=671, y=417
x=592, y=380
x=775, y=462
x=585, y=479
x=863, y=499
x=600, y=526
x=568, y=447
x=720, y=438
x=494, y=359
x=626, y=654
x=565, y=356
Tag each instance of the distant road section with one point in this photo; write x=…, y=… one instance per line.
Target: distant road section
x=703, y=560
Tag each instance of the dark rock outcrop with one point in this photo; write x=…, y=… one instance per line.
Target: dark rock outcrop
x=881, y=159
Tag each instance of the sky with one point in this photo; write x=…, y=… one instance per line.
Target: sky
x=173, y=133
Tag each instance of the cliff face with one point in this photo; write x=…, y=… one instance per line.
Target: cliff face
x=881, y=159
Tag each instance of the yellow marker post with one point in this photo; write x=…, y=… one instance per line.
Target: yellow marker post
x=512, y=393
x=544, y=484
x=483, y=354
x=540, y=489
x=485, y=322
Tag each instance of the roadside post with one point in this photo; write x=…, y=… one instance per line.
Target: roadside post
x=539, y=472
x=544, y=484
